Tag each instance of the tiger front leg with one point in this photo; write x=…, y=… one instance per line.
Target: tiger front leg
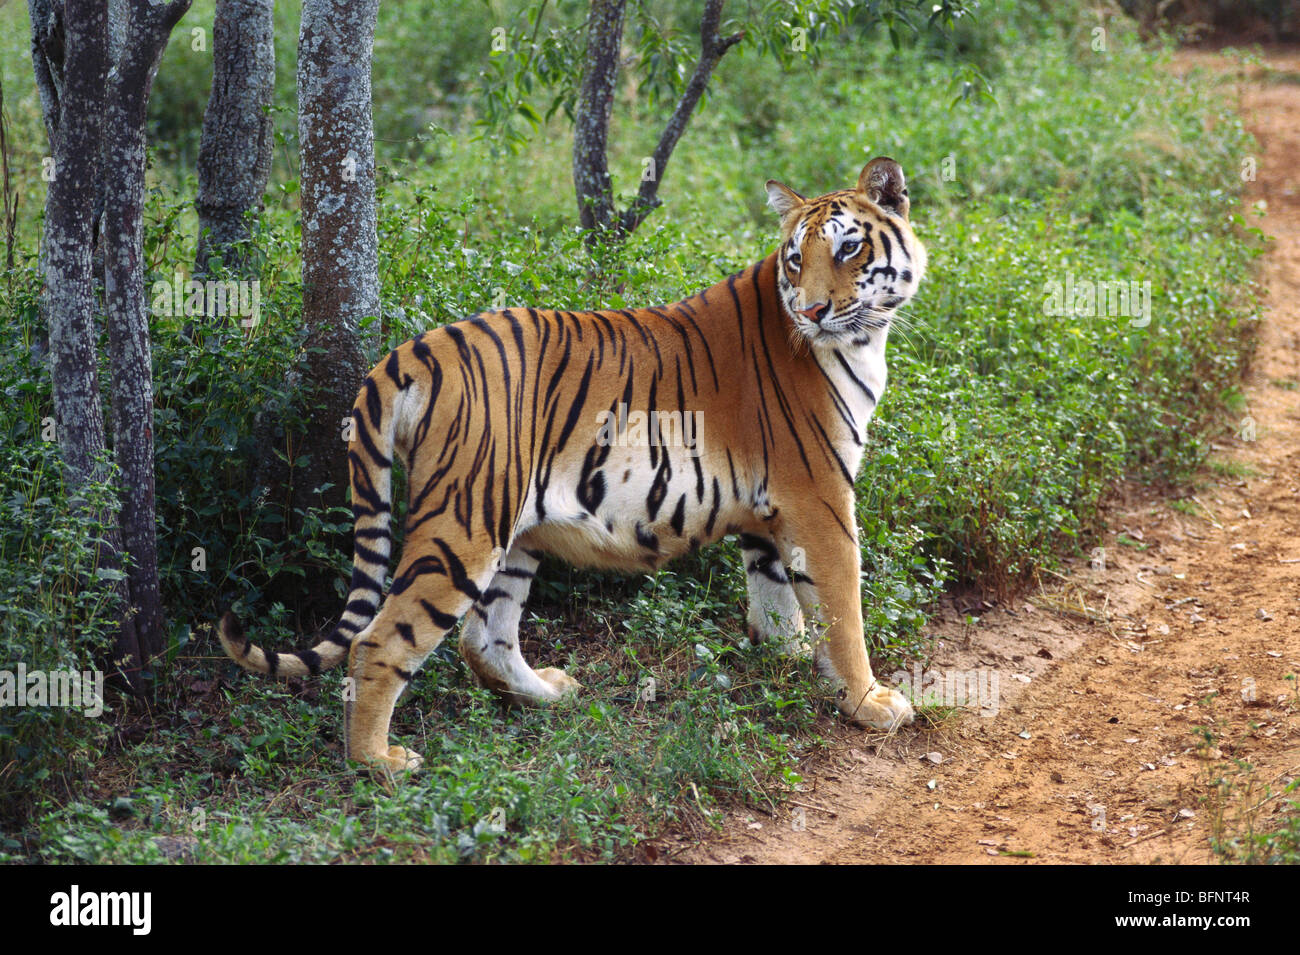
x=829, y=592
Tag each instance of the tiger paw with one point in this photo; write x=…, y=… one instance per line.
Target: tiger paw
x=880, y=708
x=398, y=759
x=559, y=681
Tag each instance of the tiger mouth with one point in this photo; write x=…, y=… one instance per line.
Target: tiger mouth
x=861, y=318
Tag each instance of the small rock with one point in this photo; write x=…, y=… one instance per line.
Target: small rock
x=176, y=847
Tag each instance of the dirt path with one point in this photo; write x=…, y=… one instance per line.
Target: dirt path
x=1097, y=752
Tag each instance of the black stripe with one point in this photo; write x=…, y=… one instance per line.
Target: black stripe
x=443, y=621
x=362, y=431
x=492, y=594
x=427, y=564
x=679, y=516
x=768, y=559
x=645, y=538
x=856, y=380
x=847, y=532
x=374, y=403
x=363, y=581
x=369, y=556
x=773, y=378
x=740, y=314
x=844, y=470
x=713, y=511
x=459, y=579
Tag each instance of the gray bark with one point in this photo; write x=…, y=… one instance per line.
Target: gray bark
x=340, y=249
x=148, y=25
x=595, y=106
x=47, y=60
x=238, y=135
x=74, y=112
x=69, y=228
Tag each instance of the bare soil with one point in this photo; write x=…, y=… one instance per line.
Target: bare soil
x=1143, y=708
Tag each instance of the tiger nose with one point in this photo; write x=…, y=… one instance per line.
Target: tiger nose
x=816, y=311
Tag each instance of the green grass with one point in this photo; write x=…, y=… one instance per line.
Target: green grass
x=1253, y=820
x=1001, y=430
x=1235, y=470
x=251, y=772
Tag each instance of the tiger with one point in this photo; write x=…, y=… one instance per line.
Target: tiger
x=519, y=432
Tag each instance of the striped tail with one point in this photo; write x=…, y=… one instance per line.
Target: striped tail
x=370, y=460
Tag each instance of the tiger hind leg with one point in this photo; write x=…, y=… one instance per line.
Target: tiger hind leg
x=489, y=641
x=775, y=616
x=386, y=655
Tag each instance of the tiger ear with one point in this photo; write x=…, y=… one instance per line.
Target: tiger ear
x=882, y=182
x=782, y=198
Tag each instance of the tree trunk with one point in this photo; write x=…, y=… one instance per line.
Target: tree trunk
x=48, y=47
x=238, y=135
x=340, y=246
x=73, y=106
x=595, y=105
x=129, y=85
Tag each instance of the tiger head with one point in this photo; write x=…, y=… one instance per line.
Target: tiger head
x=848, y=259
